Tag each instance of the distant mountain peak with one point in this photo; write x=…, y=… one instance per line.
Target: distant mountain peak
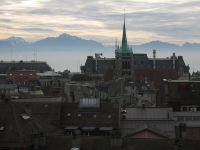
x=64, y=35
x=158, y=45
x=13, y=40
x=67, y=42
x=160, y=42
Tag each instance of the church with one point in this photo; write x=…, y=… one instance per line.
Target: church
x=137, y=66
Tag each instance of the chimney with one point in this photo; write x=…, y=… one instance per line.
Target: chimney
x=174, y=61
x=154, y=59
x=189, y=76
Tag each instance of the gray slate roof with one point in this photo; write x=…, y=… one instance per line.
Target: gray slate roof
x=149, y=114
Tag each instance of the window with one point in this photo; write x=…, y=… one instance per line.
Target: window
x=25, y=116
x=184, y=108
x=109, y=116
x=123, y=116
x=198, y=108
x=180, y=118
x=123, y=111
x=128, y=65
x=2, y=128
x=193, y=109
x=188, y=118
x=196, y=118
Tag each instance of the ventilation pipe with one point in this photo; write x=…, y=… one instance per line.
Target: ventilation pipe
x=154, y=59
x=174, y=61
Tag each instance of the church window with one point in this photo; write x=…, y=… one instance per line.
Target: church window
x=128, y=65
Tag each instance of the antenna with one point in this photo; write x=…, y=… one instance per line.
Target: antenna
x=11, y=54
x=115, y=43
x=33, y=53
x=124, y=15
x=193, y=69
x=77, y=65
x=36, y=54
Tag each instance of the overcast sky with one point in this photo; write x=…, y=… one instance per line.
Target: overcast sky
x=175, y=21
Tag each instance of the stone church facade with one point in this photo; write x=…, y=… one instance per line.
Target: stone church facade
x=135, y=65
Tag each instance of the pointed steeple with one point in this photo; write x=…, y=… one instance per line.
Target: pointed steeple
x=124, y=48
x=124, y=38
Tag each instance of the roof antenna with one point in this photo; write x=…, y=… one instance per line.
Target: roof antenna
x=11, y=54
x=36, y=54
x=115, y=43
x=124, y=15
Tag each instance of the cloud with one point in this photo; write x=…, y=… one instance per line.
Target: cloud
x=171, y=20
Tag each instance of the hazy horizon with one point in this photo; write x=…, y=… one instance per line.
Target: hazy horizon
x=106, y=44
x=172, y=21
x=62, y=60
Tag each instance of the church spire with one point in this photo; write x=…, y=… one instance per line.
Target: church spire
x=124, y=47
x=124, y=38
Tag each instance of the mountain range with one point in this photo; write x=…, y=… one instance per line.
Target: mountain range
x=60, y=43
x=66, y=42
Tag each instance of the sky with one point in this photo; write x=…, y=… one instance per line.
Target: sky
x=175, y=21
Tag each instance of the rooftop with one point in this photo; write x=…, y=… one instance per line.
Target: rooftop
x=48, y=73
x=183, y=81
x=160, y=59
x=2, y=61
x=8, y=86
x=104, y=58
x=46, y=99
x=148, y=113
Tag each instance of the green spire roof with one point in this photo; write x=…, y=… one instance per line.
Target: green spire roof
x=124, y=47
x=124, y=38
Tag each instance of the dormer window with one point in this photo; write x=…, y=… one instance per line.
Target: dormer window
x=25, y=116
x=109, y=116
x=2, y=128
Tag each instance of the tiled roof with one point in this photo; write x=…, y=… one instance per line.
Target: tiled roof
x=105, y=116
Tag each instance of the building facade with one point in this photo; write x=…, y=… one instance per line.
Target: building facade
x=181, y=95
x=138, y=66
x=11, y=66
